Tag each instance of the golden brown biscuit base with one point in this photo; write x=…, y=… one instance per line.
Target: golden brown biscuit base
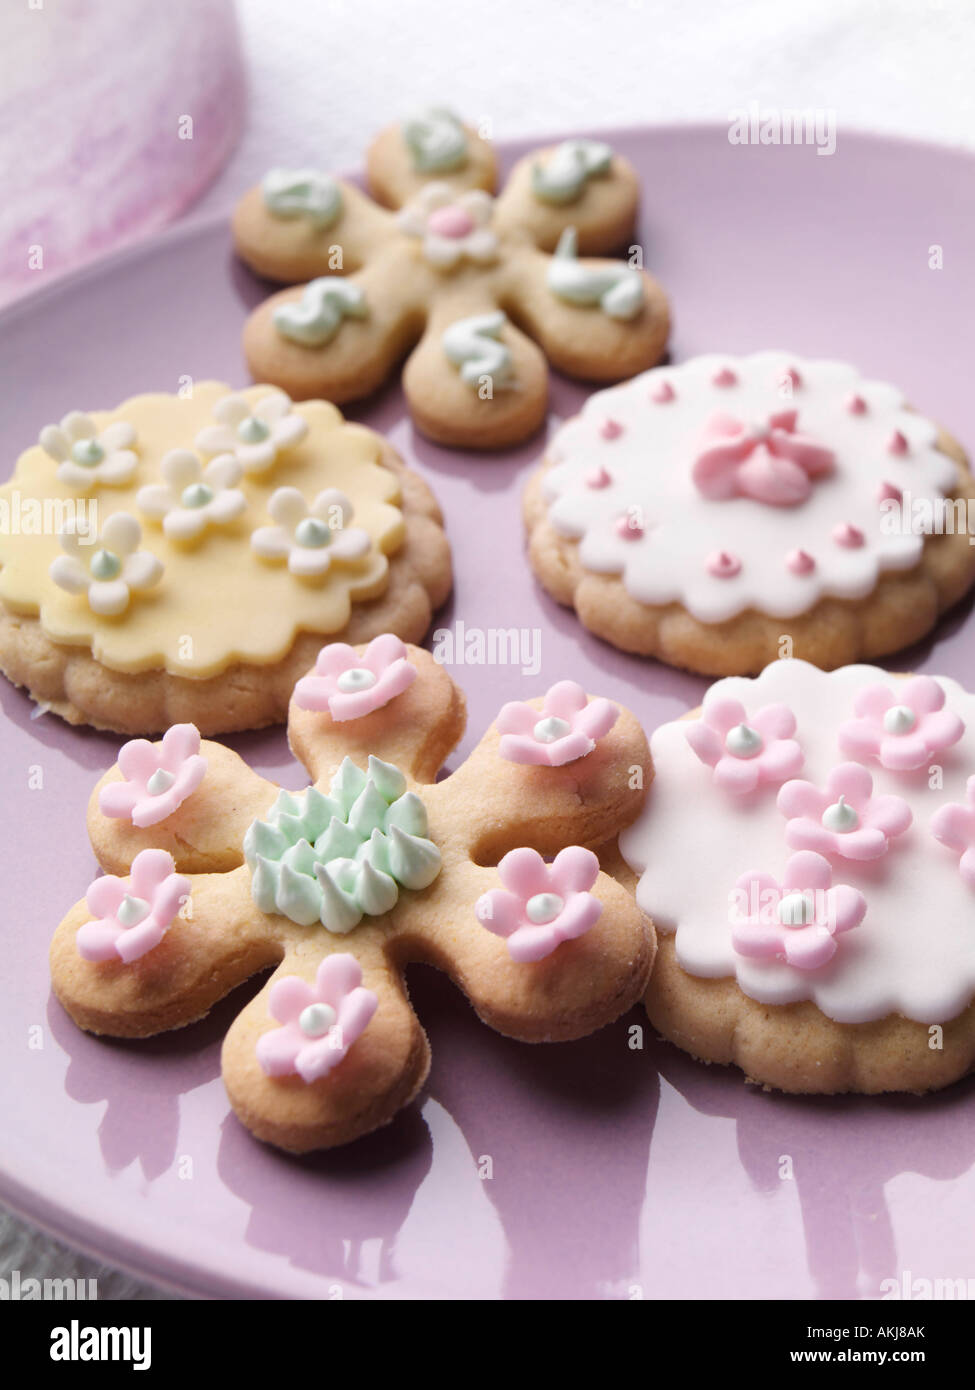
x=74, y=685
x=483, y=810
x=603, y=215
x=903, y=607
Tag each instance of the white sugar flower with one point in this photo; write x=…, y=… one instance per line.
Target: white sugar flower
x=255, y=435
x=88, y=456
x=193, y=497
x=452, y=225
x=310, y=537
x=109, y=571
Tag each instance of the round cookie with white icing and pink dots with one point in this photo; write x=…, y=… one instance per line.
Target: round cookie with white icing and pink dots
x=703, y=513
x=816, y=915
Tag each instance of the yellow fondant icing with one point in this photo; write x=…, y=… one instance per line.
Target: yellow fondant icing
x=217, y=602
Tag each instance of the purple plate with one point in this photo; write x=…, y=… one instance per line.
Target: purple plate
x=594, y=1169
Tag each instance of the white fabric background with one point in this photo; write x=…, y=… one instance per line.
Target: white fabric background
x=325, y=74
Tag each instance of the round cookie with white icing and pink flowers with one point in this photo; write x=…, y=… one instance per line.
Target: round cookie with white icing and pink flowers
x=816, y=916
x=726, y=511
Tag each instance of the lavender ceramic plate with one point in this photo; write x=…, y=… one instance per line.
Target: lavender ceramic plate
x=613, y=1171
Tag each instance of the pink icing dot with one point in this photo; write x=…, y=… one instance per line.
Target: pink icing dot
x=897, y=443
x=662, y=393
x=450, y=221
x=599, y=477
x=800, y=562
x=887, y=492
x=725, y=377
x=848, y=535
x=628, y=529
x=610, y=428
x=856, y=405
x=723, y=565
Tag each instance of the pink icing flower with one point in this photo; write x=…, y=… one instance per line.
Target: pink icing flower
x=567, y=728
x=844, y=818
x=799, y=919
x=319, y=1023
x=766, y=460
x=158, y=777
x=349, y=685
x=954, y=826
x=745, y=751
x=544, y=904
x=903, y=728
x=131, y=918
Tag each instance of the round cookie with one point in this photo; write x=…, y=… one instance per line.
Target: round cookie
x=181, y=559
x=213, y=874
x=807, y=853
x=479, y=294
x=726, y=511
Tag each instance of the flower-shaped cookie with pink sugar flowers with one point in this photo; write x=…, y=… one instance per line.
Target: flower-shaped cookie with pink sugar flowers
x=745, y=751
x=319, y=1023
x=954, y=826
x=349, y=686
x=541, y=905
x=798, y=920
x=158, y=777
x=128, y=921
x=844, y=817
x=902, y=728
x=568, y=727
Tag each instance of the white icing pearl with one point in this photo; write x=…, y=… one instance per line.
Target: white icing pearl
x=312, y=533
x=131, y=910
x=87, y=452
x=543, y=907
x=252, y=430
x=899, y=719
x=743, y=741
x=796, y=910
x=840, y=817
x=316, y=1020
x=160, y=782
x=550, y=729
x=358, y=678
x=105, y=565
x=196, y=495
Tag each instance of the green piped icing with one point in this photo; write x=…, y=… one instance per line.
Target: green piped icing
x=338, y=858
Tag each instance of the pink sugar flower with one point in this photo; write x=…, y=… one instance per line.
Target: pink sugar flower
x=844, y=817
x=541, y=904
x=767, y=460
x=567, y=728
x=349, y=685
x=319, y=1023
x=131, y=918
x=798, y=920
x=954, y=826
x=904, y=727
x=157, y=777
x=745, y=751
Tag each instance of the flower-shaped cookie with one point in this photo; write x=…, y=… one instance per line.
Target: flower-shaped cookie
x=253, y=434
x=349, y=685
x=108, y=571
x=569, y=728
x=156, y=778
x=844, y=817
x=903, y=729
x=310, y=535
x=541, y=905
x=88, y=456
x=746, y=751
x=329, y=1048
x=193, y=497
x=380, y=282
x=798, y=919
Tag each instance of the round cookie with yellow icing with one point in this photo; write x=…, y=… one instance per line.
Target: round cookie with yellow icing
x=182, y=558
